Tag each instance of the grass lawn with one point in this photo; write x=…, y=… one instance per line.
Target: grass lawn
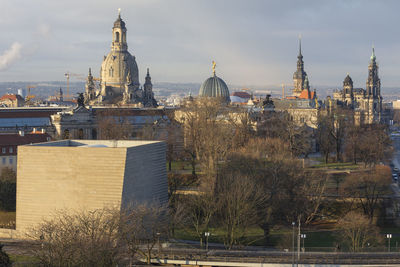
x=22, y=260
x=337, y=165
x=279, y=238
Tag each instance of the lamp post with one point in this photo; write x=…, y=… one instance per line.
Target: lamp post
x=303, y=236
x=388, y=236
x=298, y=241
x=207, y=234
x=293, y=224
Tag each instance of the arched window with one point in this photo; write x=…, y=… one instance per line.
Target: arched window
x=117, y=36
x=66, y=134
x=111, y=72
x=80, y=134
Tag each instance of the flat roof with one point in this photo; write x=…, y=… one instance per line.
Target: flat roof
x=96, y=143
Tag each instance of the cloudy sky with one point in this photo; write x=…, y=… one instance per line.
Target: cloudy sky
x=254, y=42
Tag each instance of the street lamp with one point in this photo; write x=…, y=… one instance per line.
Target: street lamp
x=207, y=234
x=388, y=236
x=293, y=224
x=303, y=236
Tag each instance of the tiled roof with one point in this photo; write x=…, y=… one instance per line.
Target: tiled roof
x=28, y=138
x=12, y=97
x=306, y=94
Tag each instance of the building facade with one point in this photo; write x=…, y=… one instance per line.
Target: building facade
x=367, y=103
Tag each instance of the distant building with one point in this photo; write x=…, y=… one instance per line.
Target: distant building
x=76, y=175
x=367, y=103
x=119, y=76
x=303, y=105
x=11, y=100
x=240, y=97
x=13, y=120
x=9, y=145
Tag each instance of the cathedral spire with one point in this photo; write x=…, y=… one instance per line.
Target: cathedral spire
x=373, y=57
x=300, y=55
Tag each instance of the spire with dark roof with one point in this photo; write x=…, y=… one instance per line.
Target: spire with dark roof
x=300, y=75
x=300, y=55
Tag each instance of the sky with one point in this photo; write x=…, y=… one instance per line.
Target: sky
x=254, y=42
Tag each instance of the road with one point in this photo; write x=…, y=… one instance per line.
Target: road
x=395, y=184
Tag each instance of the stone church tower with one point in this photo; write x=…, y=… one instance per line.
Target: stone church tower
x=373, y=90
x=300, y=78
x=148, y=96
x=119, y=75
x=90, y=88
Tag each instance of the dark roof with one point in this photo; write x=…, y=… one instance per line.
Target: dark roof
x=348, y=80
x=119, y=23
x=241, y=94
x=28, y=138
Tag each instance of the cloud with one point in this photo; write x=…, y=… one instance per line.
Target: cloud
x=10, y=56
x=43, y=30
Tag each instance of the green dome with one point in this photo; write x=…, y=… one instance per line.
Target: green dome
x=215, y=87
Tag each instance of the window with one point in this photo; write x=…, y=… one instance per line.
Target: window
x=10, y=160
x=4, y=161
x=11, y=150
x=117, y=36
x=80, y=134
x=66, y=134
x=3, y=150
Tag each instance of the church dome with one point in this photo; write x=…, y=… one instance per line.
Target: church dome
x=119, y=67
x=215, y=87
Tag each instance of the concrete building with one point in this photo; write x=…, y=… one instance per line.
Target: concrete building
x=87, y=175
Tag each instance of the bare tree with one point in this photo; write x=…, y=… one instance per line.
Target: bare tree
x=238, y=200
x=78, y=239
x=142, y=228
x=102, y=237
x=368, y=187
x=199, y=211
x=113, y=125
x=208, y=135
x=356, y=231
x=374, y=144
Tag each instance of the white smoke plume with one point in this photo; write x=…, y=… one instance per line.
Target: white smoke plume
x=10, y=56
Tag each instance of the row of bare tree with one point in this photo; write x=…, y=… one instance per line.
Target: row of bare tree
x=338, y=134
x=103, y=237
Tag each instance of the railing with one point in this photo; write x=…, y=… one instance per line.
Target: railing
x=248, y=256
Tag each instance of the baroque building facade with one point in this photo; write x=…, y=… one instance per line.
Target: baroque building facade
x=119, y=75
x=367, y=103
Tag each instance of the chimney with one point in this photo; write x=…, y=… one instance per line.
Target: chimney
x=21, y=133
